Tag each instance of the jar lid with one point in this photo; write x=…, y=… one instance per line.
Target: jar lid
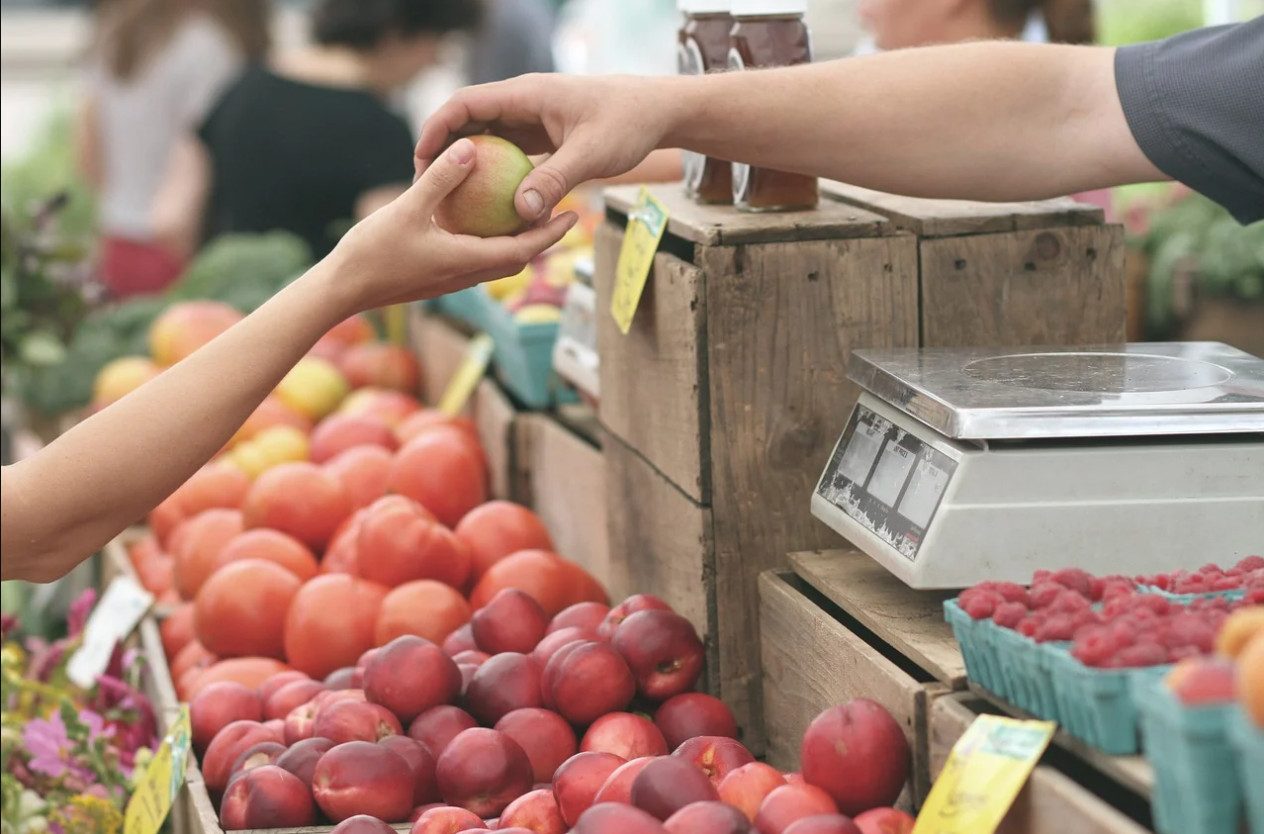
x=704, y=6
x=756, y=8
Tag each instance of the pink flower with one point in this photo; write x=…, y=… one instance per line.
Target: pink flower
x=80, y=609
x=48, y=745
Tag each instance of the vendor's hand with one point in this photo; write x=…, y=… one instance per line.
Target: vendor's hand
x=593, y=127
x=399, y=254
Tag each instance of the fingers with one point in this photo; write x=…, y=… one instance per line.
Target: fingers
x=574, y=163
x=513, y=253
x=443, y=175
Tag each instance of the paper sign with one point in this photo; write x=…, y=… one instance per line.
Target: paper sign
x=116, y=614
x=396, y=324
x=646, y=224
x=984, y=773
x=157, y=787
x=467, y=376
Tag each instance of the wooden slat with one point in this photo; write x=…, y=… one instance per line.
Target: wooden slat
x=653, y=380
x=726, y=226
x=1051, y=802
x=494, y=417
x=945, y=218
x=440, y=347
x=912, y=622
x=1044, y=287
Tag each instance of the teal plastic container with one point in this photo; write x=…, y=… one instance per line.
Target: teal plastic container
x=1185, y=599
x=1098, y=706
x=523, y=358
x=1197, y=789
x=468, y=305
x=1247, y=741
x=978, y=648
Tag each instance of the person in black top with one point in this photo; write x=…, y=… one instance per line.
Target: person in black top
x=307, y=143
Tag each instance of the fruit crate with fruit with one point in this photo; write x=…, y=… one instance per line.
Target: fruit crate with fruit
x=723, y=402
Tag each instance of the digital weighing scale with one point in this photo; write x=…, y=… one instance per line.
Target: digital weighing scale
x=961, y=465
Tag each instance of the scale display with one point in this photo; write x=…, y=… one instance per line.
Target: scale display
x=886, y=479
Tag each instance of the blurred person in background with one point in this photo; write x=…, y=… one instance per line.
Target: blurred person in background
x=154, y=69
x=515, y=38
x=307, y=143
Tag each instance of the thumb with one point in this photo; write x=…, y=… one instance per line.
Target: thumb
x=552, y=180
x=445, y=173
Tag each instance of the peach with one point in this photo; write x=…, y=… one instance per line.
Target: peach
x=338, y=433
x=219, y=705
x=625, y=734
x=884, y=821
x=584, y=681
x=858, y=754
x=446, y=820
x=1203, y=680
x=545, y=736
x=267, y=797
x=625, y=609
x=410, y=675
x=257, y=755
x=301, y=722
x=496, y=529
x=348, y=677
x=507, y=682
x=273, y=546
x=535, y=811
x=277, y=681
x=546, y=648
x=618, y=788
x=393, y=407
x=184, y=327
x=707, y=818
x=425, y=608
x=228, y=744
x=745, y=787
x=346, y=721
x=610, y=818
x=294, y=694
x=789, y=804
x=483, y=771
x=421, y=762
x=444, y=472
x=362, y=824
x=692, y=714
x=437, y=726
x=663, y=651
x=667, y=784
x=380, y=365
x=715, y=756
x=511, y=622
x=400, y=541
x=363, y=472
x=302, y=756
x=582, y=615
x=360, y=777
x=473, y=657
x=824, y=824
x=578, y=781
x=300, y=499
x=459, y=641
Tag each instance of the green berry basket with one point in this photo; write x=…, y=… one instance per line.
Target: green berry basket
x=1098, y=706
x=1247, y=741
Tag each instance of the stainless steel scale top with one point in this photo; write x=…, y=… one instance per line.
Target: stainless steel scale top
x=1131, y=390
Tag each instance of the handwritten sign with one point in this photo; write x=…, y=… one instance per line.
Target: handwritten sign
x=116, y=614
x=467, y=376
x=160, y=783
x=646, y=224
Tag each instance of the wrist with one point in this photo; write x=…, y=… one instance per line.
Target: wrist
x=682, y=98
x=330, y=291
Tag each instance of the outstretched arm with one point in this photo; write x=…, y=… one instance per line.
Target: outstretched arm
x=985, y=121
x=61, y=505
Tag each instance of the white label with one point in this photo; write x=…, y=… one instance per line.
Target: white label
x=923, y=494
x=861, y=452
x=892, y=472
x=116, y=614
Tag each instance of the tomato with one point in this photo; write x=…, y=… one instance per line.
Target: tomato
x=300, y=499
x=498, y=529
x=364, y=472
x=240, y=610
x=177, y=630
x=425, y=608
x=250, y=672
x=554, y=582
x=443, y=471
x=400, y=541
x=196, y=546
x=331, y=623
x=273, y=546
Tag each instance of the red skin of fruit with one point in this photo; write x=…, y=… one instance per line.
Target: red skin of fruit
x=588, y=680
x=473, y=657
x=446, y=820
x=276, y=725
x=267, y=797
x=707, y=818
x=545, y=736
x=461, y=640
x=339, y=432
x=219, y=705
x=344, y=678
x=746, y=787
x=858, y=754
x=609, y=818
x=625, y=609
x=312, y=521
x=301, y=722
x=483, y=771
x=318, y=637
x=446, y=474
x=667, y=784
x=618, y=788
x=625, y=734
x=579, y=779
x=362, y=824
x=582, y=615
x=280, y=679
x=506, y=682
x=227, y=746
x=355, y=721
x=884, y=821
x=410, y=675
x=663, y=651
x=789, y=804
x=716, y=756
x=512, y=622
x=535, y=811
x=294, y=694
x=498, y=529
x=302, y=756
x=825, y=824
x=546, y=648
x=400, y=541
x=422, y=763
x=257, y=755
x=467, y=675
x=380, y=365
x=436, y=727
x=693, y=714
x=360, y=777
x=1204, y=681
x=363, y=473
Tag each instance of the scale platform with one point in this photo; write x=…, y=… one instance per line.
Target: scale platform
x=961, y=465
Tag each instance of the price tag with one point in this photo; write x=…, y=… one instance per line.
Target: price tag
x=158, y=785
x=396, y=318
x=984, y=773
x=467, y=375
x=646, y=225
x=116, y=614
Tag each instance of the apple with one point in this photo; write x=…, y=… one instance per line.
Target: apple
x=579, y=779
x=666, y=785
x=707, y=818
x=663, y=651
x=693, y=714
x=511, y=622
x=857, y=753
x=716, y=756
x=627, y=735
x=625, y=609
x=483, y=771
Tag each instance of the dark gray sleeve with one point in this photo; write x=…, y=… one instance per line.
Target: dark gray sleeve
x=1195, y=104
x=516, y=38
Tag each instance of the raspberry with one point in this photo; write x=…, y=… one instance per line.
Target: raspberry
x=1093, y=646
x=1139, y=655
x=1252, y=563
x=1226, y=583
x=1123, y=631
x=1041, y=576
x=1209, y=568
x=1012, y=592
x=1152, y=602
x=1029, y=626
x=1059, y=627
x=1042, y=594
x=1068, y=602
x=1075, y=579
x=1009, y=614
x=979, y=604
x=1188, y=629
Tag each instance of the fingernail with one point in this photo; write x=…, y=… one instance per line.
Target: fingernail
x=461, y=152
x=533, y=201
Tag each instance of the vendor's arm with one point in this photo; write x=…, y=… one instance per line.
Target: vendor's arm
x=68, y=500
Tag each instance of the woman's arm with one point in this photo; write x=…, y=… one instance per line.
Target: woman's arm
x=176, y=216
x=64, y=503
x=87, y=138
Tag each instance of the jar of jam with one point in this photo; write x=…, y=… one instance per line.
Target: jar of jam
x=702, y=47
x=770, y=33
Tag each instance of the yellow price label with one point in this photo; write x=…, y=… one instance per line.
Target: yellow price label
x=984, y=774
x=396, y=318
x=646, y=224
x=467, y=376
x=158, y=785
